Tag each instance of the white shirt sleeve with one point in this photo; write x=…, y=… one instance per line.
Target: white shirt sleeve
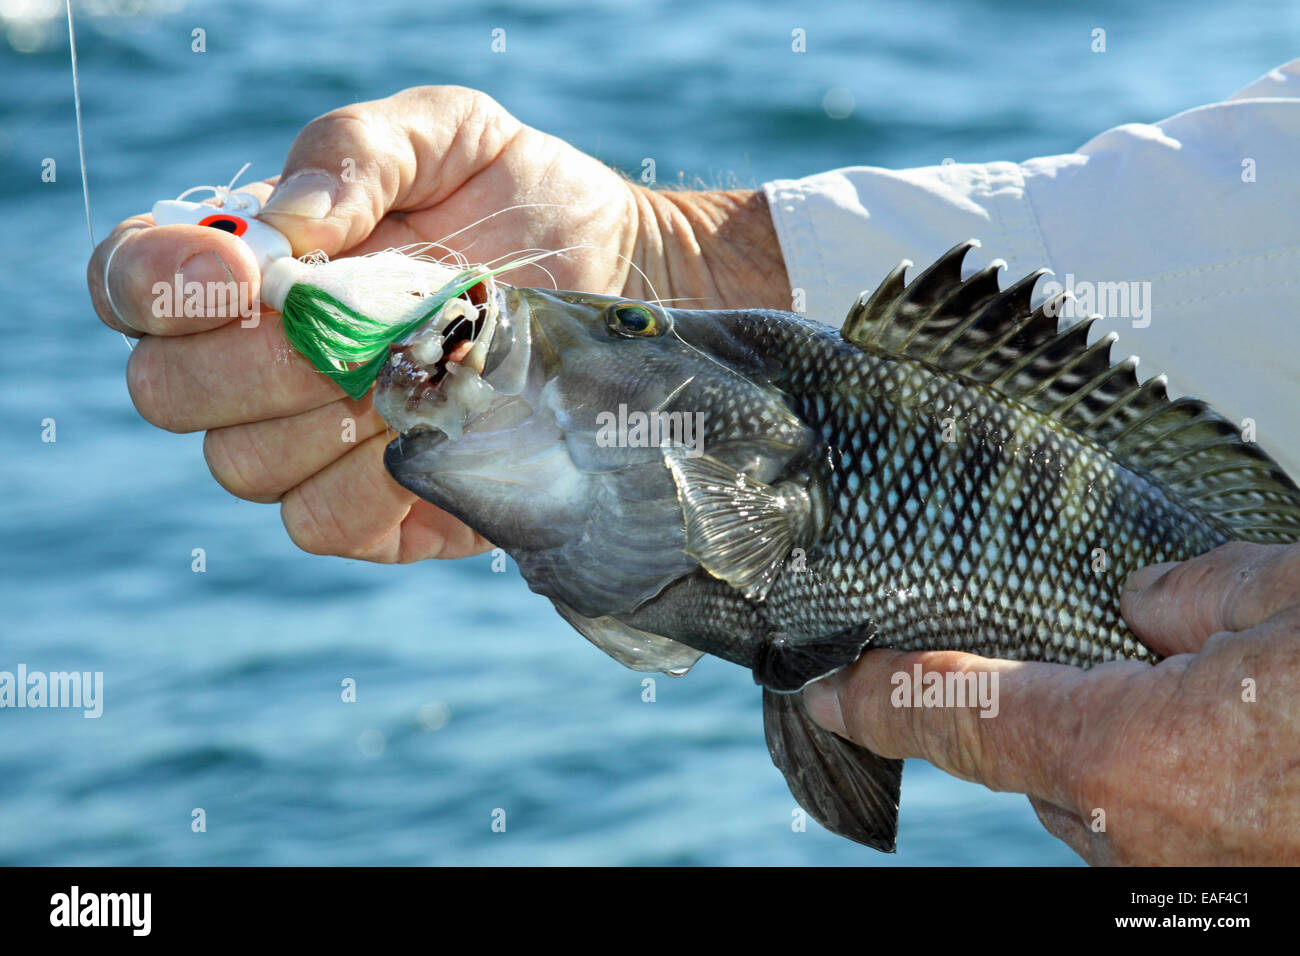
x=1184, y=234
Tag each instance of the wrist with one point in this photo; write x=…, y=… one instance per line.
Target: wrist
x=712, y=249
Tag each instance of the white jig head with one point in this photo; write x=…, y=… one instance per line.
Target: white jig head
x=233, y=213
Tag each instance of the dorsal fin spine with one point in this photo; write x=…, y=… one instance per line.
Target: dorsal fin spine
x=1120, y=369
x=969, y=330
x=1023, y=288
x=1148, y=387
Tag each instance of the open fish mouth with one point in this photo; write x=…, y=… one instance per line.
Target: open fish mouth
x=436, y=379
x=420, y=360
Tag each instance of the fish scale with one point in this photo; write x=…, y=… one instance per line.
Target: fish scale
x=968, y=500
x=1012, y=475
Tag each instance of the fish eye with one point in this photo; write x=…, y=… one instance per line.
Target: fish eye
x=633, y=319
x=226, y=223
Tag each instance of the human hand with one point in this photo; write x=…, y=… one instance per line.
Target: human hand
x=1195, y=761
x=424, y=165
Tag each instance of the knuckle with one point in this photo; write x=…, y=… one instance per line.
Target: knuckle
x=95, y=281
x=854, y=699
x=1282, y=572
x=481, y=103
x=337, y=128
x=1095, y=760
x=1196, y=588
x=147, y=382
x=310, y=524
x=1192, y=576
x=237, y=465
x=848, y=692
x=1288, y=620
x=927, y=735
x=427, y=91
x=969, y=747
x=351, y=113
x=1218, y=643
x=1093, y=781
x=303, y=532
x=1232, y=552
x=445, y=92
x=1262, y=579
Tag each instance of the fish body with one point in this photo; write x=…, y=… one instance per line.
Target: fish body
x=949, y=471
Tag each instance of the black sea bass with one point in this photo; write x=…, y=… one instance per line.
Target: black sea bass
x=942, y=474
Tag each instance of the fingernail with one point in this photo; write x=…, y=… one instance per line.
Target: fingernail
x=1143, y=578
x=309, y=194
x=218, y=282
x=823, y=706
x=206, y=266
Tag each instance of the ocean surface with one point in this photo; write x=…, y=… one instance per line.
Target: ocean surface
x=222, y=690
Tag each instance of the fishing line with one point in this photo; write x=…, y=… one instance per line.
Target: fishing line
x=672, y=330
x=501, y=212
x=591, y=245
x=81, y=140
x=653, y=291
x=81, y=147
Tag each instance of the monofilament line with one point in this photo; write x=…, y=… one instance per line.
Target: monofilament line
x=81, y=139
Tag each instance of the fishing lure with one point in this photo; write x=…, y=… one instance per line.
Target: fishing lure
x=343, y=314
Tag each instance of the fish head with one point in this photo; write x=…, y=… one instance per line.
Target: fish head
x=554, y=439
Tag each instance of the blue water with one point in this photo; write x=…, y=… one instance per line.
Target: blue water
x=222, y=689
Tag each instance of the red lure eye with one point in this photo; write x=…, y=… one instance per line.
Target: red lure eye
x=226, y=223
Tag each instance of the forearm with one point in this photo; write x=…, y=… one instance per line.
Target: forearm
x=709, y=249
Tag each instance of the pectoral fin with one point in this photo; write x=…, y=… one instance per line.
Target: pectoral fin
x=740, y=530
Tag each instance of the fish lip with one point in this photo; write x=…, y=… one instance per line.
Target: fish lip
x=501, y=344
x=405, y=448
x=415, y=391
x=480, y=343
x=509, y=352
x=489, y=348
x=414, y=375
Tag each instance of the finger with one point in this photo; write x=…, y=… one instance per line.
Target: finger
x=1175, y=608
x=354, y=509
x=228, y=376
x=260, y=461
x=97, y=272
x=351, y=508
x=143, y=279
x=1066, y=826
x=1024, y=744
x=429, y=532
x=351, y=167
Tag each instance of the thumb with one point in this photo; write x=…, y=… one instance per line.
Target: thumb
x=1176, y=608
x=350, y=168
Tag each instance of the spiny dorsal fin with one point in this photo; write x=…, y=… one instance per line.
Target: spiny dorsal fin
x=973, y=329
